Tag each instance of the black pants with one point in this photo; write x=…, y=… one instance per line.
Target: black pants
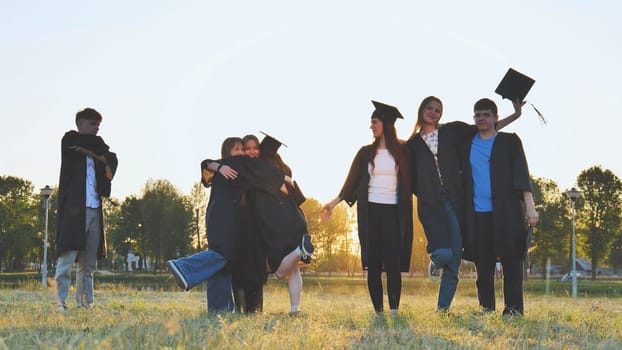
x=384, y=253
x=486, y=261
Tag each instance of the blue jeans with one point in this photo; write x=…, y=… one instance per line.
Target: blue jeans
x=449, y=260
x=220, y=292
x=201, y=266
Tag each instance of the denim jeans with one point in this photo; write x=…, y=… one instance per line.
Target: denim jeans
x=87, y=264
x=201, y=266
x=220, y=292
x=449, y=260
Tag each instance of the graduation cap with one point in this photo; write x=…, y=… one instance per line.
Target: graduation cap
x=385, y=112
x=270, y=143
x=514, y=85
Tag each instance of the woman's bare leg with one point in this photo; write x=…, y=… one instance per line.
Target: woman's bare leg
x=294, y=284
x=289, y=262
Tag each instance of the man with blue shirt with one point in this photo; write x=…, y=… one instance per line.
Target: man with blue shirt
x=499, y=206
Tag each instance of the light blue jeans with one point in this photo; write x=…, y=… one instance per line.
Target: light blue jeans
x=449, y=260
x=87, y=264
x=201, y=266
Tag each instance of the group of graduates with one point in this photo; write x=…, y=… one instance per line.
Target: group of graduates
x=474, y=200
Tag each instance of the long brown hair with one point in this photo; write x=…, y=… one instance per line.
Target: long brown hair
x=422, y=107
x=389, y=133
x=269, y=155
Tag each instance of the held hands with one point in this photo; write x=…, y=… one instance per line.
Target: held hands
x=327, y=210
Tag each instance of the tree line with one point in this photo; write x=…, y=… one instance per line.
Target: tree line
x=162, y=223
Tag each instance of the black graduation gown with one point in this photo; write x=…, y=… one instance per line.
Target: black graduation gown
x=71, y=214
x=509, y=177
x=249, y=267
x=356, y=190
x=281, y=224
x=223, y=216
x=426, y=184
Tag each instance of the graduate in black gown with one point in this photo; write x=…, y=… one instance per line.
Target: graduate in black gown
x=249, y=265
x=379, y=182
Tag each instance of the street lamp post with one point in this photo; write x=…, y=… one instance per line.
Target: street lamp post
x=46, y=192
x=573, y=194
x=197, y=227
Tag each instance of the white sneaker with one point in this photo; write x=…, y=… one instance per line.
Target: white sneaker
x=179, y=277
x=62, y=309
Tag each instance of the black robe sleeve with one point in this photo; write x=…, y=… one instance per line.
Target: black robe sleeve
x=256, y=174
x=349, y=191
x=520, y=178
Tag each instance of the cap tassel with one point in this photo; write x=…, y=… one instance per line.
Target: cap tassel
x=542, y=119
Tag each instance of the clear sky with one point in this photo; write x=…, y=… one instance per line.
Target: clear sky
x=174, y=78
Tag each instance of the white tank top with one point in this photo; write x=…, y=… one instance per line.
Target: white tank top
x=383, y=179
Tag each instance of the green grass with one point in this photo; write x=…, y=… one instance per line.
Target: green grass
x=336, y=314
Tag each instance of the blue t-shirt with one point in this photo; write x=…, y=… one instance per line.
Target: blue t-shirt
x=480, y=170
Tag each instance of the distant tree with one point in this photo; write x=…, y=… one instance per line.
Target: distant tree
x=600, y=216
x=167, y=222
x=128, y=233
x=198, y=201
x=19, y=238
x=111, y=209
x=329, y=237
x=615, y=257
x=551, y=235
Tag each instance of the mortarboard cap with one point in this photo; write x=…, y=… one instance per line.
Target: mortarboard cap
x=386, y=113
x=270, y=143
x=514, y=85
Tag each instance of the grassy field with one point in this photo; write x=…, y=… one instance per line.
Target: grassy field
x=336, y=314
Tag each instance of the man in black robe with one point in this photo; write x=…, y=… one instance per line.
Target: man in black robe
x=87, y=168
x=499, y=208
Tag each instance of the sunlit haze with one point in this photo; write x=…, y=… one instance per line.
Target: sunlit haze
x=173, y=79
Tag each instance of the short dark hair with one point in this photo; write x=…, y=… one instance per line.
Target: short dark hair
x=88, y=114
x=484, y=104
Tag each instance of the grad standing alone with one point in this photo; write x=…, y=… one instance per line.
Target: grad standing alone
x=379, y=181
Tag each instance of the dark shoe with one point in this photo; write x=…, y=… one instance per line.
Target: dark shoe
x=179, y=277
x=512, y=312
x=306, y=246
x=306, y=260
x=433, y=272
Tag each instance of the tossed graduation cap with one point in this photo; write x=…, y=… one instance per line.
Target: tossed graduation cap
x=385, y=112
x=514, y=85
x=269, y=142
